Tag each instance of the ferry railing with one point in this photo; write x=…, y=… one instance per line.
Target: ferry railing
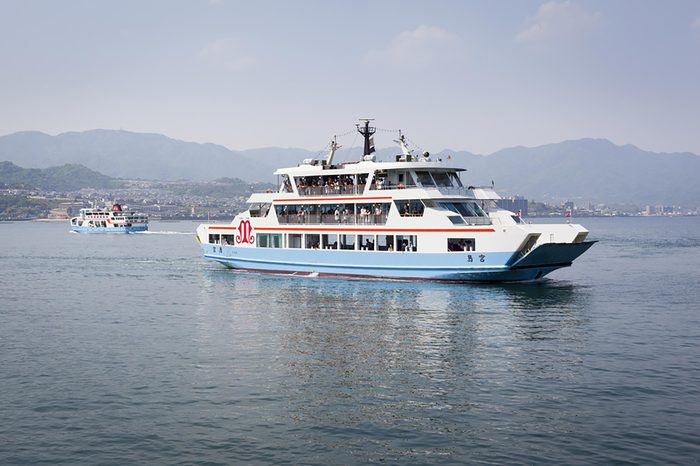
x=332, y=219
x=478, y=220
x=388, y=186
x=444, y=190
x=454, y=191
x=330, y=190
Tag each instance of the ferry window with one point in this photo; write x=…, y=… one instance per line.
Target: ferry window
x=259, y=210
x=461, y=244
x=424, y=179
x=227, y=239
x=470, y=209
x=379, y=213
x=347, y=241
x=294, y=241
x=385, y=242
x=213, y=239
x=285, y=213
x=380, y=181
x=362, y=180
x=269, y=240
x=465, y=209
x=311, y=213
x=286, y=186
x=365, y=242
x=449, y=206
x=346, y=213
x=330, y=241
x=455, y=179
x=276, y=240
x=407, y=243
x=442, y=179
x=309, y=185
x=313, y=241
x=456, y=220
x=412, y=208
x=366, y=213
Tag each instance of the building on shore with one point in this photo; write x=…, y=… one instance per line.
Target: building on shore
x=517, y=204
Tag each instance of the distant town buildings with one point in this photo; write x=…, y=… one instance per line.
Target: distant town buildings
x=183, y=200
x=517, y=204
x=655, y=210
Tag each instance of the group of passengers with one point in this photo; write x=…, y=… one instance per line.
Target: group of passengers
x=383, y=183
x=332, y=214
x=342, y=184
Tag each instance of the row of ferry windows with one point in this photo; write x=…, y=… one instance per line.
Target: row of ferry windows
x=408, y=208
x=466, y=212
x=338, y=213
x=407, y=243
x=354, y=183
x=333, y=213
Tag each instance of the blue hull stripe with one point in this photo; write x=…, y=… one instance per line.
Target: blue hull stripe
x=109, y=230
x=455, y=266
x=479, y=268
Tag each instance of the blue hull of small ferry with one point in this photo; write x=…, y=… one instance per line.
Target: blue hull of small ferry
x=452, y=266
x=131, y=229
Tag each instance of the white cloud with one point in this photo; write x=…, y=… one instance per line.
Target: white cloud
x=226, y=53
x=420, y=47
x=558, y=20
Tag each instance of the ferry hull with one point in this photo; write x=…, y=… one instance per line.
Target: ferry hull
x=457, y=267
x=131, y=229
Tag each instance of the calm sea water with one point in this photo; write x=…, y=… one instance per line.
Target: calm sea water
x=134, y=350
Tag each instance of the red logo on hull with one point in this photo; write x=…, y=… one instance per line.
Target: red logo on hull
x=245, y=233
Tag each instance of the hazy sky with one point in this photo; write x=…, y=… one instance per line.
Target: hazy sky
x=472, y=75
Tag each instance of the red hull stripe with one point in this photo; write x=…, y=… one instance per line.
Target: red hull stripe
x=370, y=230
x=304, y=200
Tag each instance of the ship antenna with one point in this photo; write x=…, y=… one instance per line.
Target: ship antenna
x=367, y=131
x=331, y=152
x=401, y=141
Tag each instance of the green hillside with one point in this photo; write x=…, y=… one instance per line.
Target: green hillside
x=69, y=177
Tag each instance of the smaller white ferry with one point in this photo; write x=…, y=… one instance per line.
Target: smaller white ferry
x=114, y=220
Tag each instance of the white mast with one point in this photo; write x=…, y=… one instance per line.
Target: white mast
x=331, y=152
x=401, y=141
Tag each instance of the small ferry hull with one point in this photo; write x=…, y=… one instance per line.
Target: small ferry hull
x=453, y=266
x=131, y=229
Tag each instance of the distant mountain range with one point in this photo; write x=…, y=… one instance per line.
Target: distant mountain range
x=68, y=177
x=581, y=170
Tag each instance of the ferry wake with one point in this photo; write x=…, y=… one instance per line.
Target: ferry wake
x=409, y=218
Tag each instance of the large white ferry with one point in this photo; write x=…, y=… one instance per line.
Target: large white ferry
x=114, y=220
x=412, y=218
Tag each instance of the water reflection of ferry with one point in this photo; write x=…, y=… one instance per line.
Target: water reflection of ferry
x=411, y=218
x=114, y=220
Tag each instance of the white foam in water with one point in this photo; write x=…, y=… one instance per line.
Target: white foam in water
x=164, y=232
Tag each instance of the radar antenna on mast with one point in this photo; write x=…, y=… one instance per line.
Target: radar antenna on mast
x=401, y=141
x=367, y=131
